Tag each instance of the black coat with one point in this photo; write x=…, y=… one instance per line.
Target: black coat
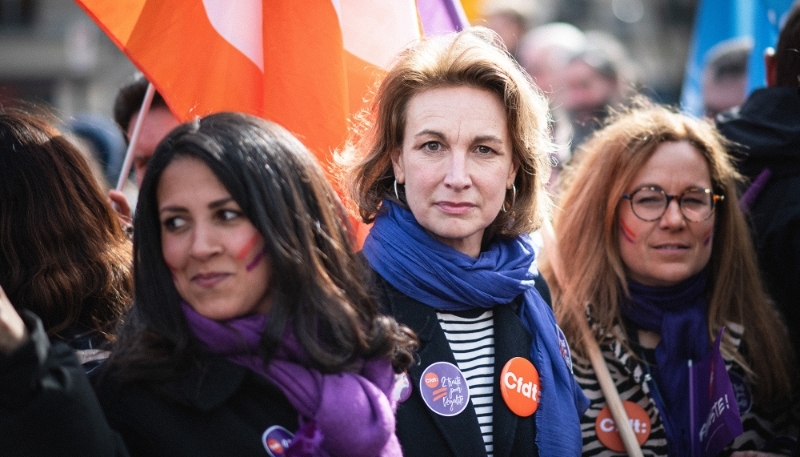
x=48, y=408
x=421, y=431
x=767, y=130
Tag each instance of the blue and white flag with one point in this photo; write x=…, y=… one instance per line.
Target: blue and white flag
x=719, y=20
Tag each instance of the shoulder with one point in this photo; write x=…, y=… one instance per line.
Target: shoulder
x=219, y=408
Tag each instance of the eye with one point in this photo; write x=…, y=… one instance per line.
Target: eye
x=432, y=146
x=228, y=214
x=174, y=223
x=484, y=150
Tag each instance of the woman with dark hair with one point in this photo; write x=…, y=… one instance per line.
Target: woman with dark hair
x=656, y=253
x=451, y=169
x=253, y=328
x=63, y=255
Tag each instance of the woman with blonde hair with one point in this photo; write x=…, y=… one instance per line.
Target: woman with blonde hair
x=655, y=251
x=451, y=168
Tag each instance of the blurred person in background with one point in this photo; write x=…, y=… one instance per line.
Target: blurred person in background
x=597, y=78
x=103, y=139
x=158, y=122
x=544, y=53
x=725, y=75
x=509, y=19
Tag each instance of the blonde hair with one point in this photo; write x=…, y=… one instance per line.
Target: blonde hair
x=589, y=251
x=474, y=58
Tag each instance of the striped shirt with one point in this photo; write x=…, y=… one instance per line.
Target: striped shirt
x=471, y=339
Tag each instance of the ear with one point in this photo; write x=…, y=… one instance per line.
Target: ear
x=397, y=166
x=512, y=174
x=771, y=66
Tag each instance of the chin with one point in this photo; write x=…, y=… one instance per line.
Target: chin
x=672, y=278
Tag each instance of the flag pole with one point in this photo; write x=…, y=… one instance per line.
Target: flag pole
x=456, y=13
x=126, y=164
x=604, y=378
x=692, y=425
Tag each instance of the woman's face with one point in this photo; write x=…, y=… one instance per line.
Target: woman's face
x=456, y=163
x=668, y=250
x=215, y=253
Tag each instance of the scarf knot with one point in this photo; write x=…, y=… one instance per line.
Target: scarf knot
x=436, y=274
x=321, y=400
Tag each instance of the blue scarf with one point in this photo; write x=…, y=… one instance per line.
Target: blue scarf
x=678, y=314
x=435, y=274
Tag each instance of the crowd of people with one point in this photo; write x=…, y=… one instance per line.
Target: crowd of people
x=243, y=319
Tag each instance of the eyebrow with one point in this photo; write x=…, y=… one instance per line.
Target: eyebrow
x=212, y=205
x=478, y=139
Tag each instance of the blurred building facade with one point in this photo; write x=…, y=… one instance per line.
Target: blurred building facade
x=51, y=53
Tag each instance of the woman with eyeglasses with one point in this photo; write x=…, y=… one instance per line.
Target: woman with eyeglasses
x=653, y=250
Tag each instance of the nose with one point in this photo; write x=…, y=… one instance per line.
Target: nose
x=673, y=217
x=458, y=177
x=204, y=242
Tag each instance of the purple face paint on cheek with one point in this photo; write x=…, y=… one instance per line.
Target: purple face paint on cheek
x=708, y=236
x=255, y=261
x=627, y=232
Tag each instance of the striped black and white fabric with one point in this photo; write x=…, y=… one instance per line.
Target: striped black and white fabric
x=635, y=384
x=471, y=339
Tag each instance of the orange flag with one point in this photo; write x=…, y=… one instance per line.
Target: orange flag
x=306, y=65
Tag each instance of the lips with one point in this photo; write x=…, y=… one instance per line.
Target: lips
x=209, y=280
x=671, y=247
x=455, y=207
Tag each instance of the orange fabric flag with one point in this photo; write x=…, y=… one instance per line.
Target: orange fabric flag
x=307, y=65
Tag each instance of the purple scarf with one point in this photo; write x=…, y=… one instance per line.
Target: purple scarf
x=340, y=414
x=678, y=315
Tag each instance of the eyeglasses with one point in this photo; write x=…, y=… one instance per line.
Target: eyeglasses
x=650, y=203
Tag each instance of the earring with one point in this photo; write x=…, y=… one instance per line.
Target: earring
x=513, y=199
x=396, y=194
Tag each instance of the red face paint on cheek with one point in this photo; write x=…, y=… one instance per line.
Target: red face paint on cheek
x=627, y=232
x=245, y=251
x=708, y=236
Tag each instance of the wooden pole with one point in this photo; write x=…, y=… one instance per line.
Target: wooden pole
x=610, y=393
x=126, y=164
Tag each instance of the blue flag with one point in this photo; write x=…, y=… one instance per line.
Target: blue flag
x=719, y=20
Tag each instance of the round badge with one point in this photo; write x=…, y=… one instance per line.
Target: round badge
x=276, y=439
x=402, y=387
x=607, y=431
x=519, y=386
x=563, y=347
x=744, y=399
x=444, y=389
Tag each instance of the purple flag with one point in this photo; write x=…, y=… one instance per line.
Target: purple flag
x=441, y=16
x=715, y=420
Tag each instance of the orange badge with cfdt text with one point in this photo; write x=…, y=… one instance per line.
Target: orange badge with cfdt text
x=519, y=385
x=607, y=431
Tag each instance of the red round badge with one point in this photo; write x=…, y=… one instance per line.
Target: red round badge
x=606, y=428
x=519, y=385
